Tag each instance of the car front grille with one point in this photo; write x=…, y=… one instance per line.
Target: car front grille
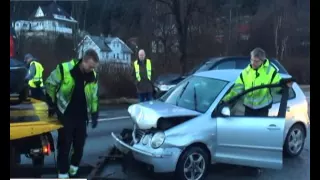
x=138, y=133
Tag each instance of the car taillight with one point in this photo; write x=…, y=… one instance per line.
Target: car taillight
x=46, y=149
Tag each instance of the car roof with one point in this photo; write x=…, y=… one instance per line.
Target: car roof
x=226, y=74
x=214, y=60
x=223, y=58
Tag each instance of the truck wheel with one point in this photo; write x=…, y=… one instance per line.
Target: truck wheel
x=193, y=164
x=37, y=163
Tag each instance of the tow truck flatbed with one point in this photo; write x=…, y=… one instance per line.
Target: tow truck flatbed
x=30, y=118
x=30, y=134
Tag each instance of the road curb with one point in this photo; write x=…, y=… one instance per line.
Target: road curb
x=117, y=101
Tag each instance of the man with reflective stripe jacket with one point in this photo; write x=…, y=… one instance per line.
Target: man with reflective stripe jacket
x=72, y=93
x=142, y=74
x=34, y=77
x=258, y=72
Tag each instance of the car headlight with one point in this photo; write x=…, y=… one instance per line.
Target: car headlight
x=146, y=139
x=157, y=140
x=165, y=87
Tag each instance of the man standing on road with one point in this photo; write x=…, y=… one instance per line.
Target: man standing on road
x=257, y=73
x=143, y=72
x=72, y=94
x=34, y=77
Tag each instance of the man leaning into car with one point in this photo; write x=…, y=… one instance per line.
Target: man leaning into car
x=257, y=73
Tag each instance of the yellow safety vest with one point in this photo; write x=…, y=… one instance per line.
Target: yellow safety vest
x=248, y=79
x=137, y=69
x=60, y=86
x=38, y=75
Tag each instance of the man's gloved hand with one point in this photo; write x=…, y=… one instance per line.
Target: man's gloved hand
x=94, y=120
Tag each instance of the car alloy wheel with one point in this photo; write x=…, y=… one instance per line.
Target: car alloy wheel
x=194, y=166
x=295, y=141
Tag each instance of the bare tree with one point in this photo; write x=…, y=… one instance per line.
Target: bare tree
x=285, y=24
x=182, y=11
x=164, y=33
x=78, y=9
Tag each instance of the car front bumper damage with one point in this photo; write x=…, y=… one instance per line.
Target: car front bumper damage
x=161, y=160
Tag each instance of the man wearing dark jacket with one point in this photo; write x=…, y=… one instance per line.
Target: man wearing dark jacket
x=143, y=73
x=72, y=93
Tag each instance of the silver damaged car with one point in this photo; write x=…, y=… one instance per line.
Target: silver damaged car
x=188, y=128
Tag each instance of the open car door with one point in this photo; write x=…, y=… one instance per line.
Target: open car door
x=251, y=141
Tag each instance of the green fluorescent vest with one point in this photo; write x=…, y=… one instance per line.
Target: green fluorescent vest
x=137, y=69
x=62, y=95
x=38, y=75
x=259, y=98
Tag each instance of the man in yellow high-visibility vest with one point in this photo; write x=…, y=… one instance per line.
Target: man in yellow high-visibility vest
x=34, y=77
x=143, y=73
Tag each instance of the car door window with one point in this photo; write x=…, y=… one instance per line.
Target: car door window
x=238, y=107
x=225, y=65
x=276, y=97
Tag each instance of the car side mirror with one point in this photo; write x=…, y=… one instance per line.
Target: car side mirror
x=225, y=111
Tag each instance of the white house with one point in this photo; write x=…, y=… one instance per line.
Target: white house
x=108, y=48
x=51, y=18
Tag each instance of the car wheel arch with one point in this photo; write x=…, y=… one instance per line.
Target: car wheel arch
x=288, y=153
x=197, y=144
x=297, y=123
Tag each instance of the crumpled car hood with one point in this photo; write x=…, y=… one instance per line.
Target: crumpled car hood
x=147, y=114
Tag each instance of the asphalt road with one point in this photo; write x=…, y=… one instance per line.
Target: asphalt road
x=114, y=119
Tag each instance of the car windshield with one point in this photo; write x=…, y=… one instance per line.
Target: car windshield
x=195, y=93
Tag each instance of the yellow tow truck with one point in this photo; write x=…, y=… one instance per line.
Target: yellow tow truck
x=30, y=133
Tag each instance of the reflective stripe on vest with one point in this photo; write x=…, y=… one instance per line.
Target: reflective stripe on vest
x=251, y=78
x=37, y=76
x=137, y=69
x=67, y=86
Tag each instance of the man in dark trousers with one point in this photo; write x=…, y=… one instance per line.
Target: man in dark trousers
x=72, y=94
x=143, y=73
x=258, y=72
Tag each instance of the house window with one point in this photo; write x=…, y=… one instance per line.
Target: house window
x=117, y=56
x=114, y=56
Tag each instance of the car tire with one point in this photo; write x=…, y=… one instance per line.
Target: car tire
x=295, y=140
x=184, y=162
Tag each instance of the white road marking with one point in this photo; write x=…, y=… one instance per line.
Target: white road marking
x=113, y=118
